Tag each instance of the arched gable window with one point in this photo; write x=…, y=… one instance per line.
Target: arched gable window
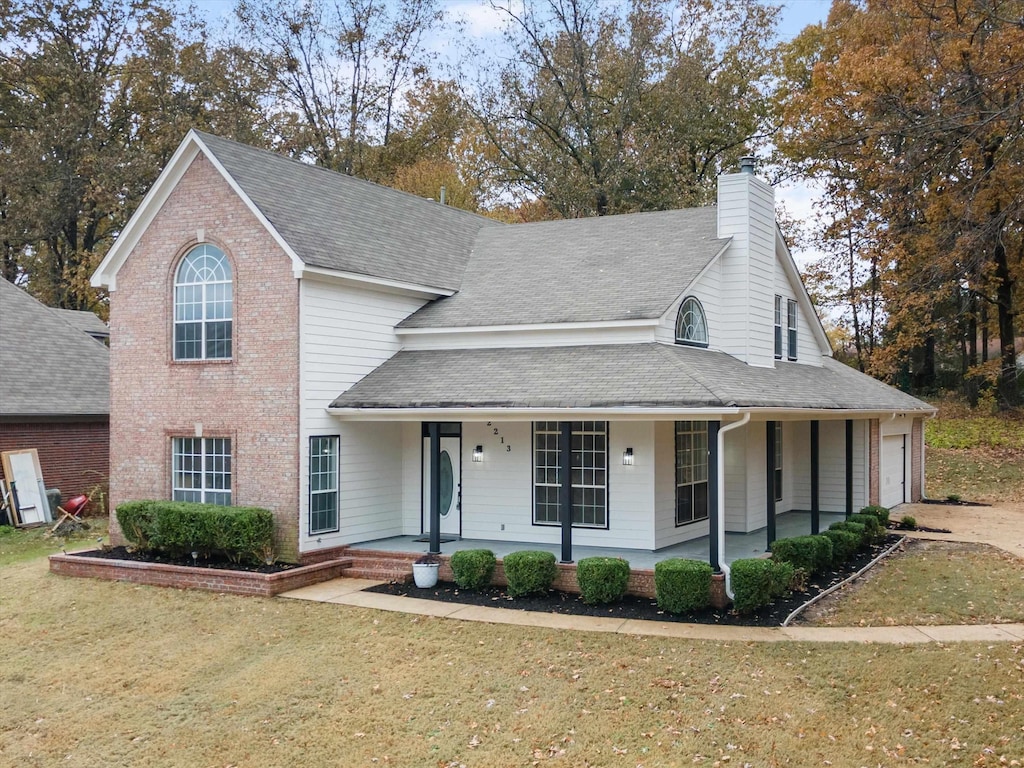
x=691, y=324
x=203, y=305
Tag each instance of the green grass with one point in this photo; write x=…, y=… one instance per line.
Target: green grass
x=934, y=582
x=21, y=544
x=98, y=673
x=974, y=456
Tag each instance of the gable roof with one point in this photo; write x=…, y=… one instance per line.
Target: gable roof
x=342, y=223
x=321, y=218
x=628, y=267
x=650, y=375
x=48, y=367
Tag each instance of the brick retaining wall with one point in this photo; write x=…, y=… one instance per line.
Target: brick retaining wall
x=184, y=577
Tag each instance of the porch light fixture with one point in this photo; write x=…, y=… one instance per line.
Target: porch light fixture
x=627, y=457
x=478, y=453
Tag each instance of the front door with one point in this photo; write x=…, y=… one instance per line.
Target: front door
x=451, y=486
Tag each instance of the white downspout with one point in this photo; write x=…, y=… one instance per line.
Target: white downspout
x=721, y=501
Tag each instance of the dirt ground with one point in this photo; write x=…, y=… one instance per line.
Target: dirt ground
x=1001, y=525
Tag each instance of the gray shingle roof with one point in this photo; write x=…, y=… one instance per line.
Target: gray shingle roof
x=84, y=321
x=339, y=222
x=47, y=366
x=610, y=376
x=607, y=268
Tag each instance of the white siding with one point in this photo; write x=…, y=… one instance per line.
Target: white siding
x=746, y=212
x=345, y=333
x=707, y=290
x=736, y=479
x=538, y=337
x=666, y=532
x=807, y=347
x=497, y=493
x=757, y=510
x=831, y=465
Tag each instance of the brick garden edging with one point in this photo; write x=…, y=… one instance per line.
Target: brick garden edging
x=186, y=577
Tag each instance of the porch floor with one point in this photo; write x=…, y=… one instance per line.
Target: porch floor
x=737, y=545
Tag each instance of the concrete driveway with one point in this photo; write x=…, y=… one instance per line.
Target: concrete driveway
x=1001, y=525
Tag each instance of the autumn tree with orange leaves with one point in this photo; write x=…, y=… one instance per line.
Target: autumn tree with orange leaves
x=911, y=114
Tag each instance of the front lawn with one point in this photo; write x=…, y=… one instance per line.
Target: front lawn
x=96, y=673
x=933, y=582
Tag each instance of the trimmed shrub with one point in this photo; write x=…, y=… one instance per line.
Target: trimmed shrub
x=882, y=513
x=908, y=522
x=803, y=552
x=858, y=529
x=137, y=521
x=757, y=581
x=177, y=528
x=682, y=585
x=875, y=530
x=844, y=544
x=529, y=571
x=602, y=579
x=473, y=568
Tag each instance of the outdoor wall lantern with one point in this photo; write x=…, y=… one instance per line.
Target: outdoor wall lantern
x=627, y=457
x=478, y=453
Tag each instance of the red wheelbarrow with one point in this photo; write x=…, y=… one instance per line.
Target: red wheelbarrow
x=71, y=509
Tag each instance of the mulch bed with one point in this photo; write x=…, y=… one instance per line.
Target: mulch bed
x=631, y=607
x=121, y=553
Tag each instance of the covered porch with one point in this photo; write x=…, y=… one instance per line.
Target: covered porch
x=737, y=545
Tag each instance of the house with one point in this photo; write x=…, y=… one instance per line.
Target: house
x=54, y=390
x=370, y=365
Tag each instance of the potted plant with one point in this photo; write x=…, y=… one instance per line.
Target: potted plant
x=424, y=571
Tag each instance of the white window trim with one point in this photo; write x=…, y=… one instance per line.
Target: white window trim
x=778, y=327
x=681, y=338
x=205, y=303
x=695, y=428
x=792, y=325
x=335, y=442
x=582, y=431
x=206, y=453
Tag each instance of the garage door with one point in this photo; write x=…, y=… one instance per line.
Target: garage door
x=894, y=470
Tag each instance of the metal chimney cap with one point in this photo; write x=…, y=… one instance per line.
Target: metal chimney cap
x=748, y=164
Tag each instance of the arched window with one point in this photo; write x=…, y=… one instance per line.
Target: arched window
x=691, y=325
x=203, y=305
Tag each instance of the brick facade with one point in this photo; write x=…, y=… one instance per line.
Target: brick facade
x=252, y=398
x=74, y=455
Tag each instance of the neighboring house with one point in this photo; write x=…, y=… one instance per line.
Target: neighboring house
x=88, y=322
x=370, y=364
x=54, y=390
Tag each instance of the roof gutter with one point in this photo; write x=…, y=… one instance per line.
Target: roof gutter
x=721, y=501
x=525, y=413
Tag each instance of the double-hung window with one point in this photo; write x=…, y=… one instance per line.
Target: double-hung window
x=323, y=484
x=589, y=468
x=691, y=471
x=791, y=328
x=778, y=327
x=203, y=305
x=201, y=469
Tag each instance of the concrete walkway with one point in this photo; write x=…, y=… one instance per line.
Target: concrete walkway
x=1001, y=526
x=345, y=591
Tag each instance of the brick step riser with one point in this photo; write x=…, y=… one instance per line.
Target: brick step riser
x=377, y=574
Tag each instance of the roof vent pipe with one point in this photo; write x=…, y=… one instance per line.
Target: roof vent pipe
x=444, y=195
x=748, y=164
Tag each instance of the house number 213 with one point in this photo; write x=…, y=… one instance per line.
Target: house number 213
x=497, y=434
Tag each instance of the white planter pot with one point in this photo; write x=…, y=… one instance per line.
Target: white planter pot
x=425, y=574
